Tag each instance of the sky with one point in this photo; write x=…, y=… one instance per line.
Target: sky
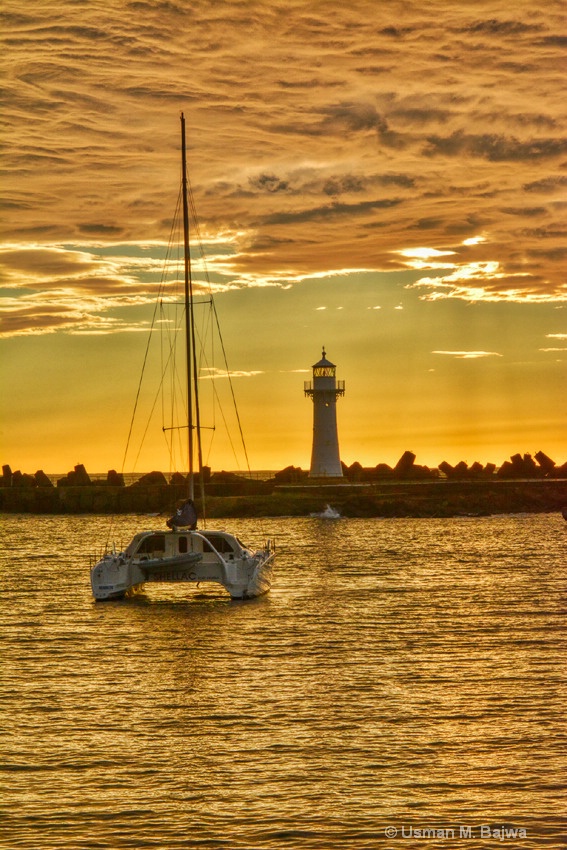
x=387, y=180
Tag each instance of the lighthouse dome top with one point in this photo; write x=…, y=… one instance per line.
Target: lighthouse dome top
x=323, y=362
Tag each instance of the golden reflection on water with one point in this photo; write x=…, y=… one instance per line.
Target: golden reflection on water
x=400, y=672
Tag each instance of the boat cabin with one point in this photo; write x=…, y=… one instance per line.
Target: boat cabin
x=149, y=545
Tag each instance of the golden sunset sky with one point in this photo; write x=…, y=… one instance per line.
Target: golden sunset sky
x=384, y=179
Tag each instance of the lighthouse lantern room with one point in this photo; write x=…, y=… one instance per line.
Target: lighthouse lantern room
x=324, y=389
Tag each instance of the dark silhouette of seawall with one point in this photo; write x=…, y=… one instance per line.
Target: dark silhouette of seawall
x=523, y=483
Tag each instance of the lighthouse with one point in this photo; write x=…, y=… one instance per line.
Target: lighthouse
x=324, y=389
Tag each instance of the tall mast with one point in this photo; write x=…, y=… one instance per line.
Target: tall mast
x=188, y=309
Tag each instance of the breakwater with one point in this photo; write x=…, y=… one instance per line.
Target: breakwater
x=441, y=498
x=521, y=484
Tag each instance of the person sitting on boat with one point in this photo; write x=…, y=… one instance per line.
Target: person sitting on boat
x=185, y=515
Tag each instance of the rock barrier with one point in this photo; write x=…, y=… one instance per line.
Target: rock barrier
x=388, y=491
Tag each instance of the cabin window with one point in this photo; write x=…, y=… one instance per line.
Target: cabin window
x=153, y=543
x=183, y=545
x=221, y=544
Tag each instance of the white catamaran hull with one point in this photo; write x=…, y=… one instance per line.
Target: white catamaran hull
x=184, y=556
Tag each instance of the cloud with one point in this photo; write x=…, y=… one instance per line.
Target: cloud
x=468, y=355
x=269, y=183
x=424, y=254
x=486, y=280
x=548, y=185
x=212, y=373
x=55, y=289
x=493, y=26
x=495, y=147
x=27, y=317
x=353, y=117
x=316, y=142
x=21, y=264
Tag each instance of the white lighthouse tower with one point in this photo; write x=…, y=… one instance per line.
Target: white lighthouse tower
x=324, y=390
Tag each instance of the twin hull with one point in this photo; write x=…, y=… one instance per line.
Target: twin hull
x=178, y=556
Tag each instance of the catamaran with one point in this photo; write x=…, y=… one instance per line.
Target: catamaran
x=183, y=552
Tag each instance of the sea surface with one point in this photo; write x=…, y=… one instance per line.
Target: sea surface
x=403, y=675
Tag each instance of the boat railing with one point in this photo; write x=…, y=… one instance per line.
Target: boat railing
x=212, y=548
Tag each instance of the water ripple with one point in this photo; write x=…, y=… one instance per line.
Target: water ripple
x=402, y=673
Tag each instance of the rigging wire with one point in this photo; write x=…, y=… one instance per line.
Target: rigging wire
x=143, y=370
x=217, y=323
x=157, y=305
x=168, y=355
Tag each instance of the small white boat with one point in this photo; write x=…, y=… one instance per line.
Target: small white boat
x=182, y=553
x=328, y=513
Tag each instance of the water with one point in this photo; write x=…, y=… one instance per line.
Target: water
x=402, y=674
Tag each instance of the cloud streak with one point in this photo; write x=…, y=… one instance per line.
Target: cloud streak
x=468, y=355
